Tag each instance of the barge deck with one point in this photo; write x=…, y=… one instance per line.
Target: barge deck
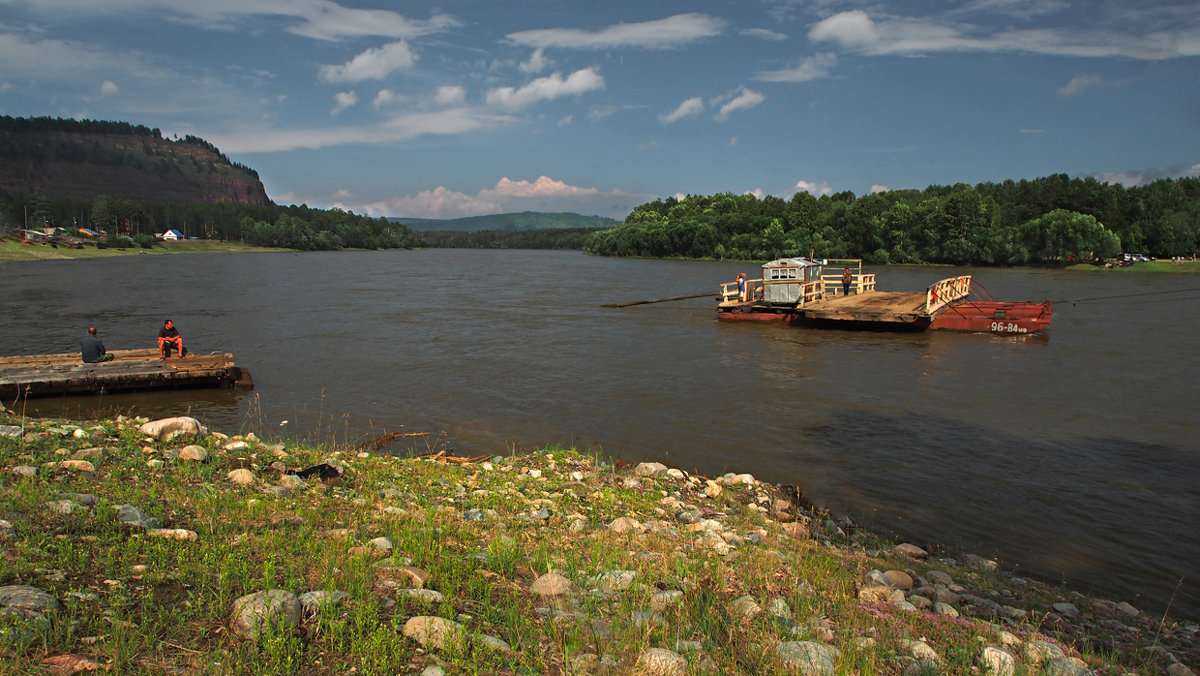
x=44, y=375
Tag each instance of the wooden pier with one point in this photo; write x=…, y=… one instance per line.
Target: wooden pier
x=44, y=375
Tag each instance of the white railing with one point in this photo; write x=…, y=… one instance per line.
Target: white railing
x=946, y=291
x=863, y=282
x=730, y=295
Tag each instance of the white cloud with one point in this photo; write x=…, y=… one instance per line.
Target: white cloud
x=812, y=188
x=450, y=95
x=547, y=88
x=537, y=62
x=856, y=30
x=544, y=194
x=342, y=101
x=108, y=88
x=384, y=98
x=317, y=19
x=373, y=64
x=876, y=188
x=758, y=193
x=814, y=67
x=1080, y=84
x=667, y=33
x=400, y=128
x=689, y=108
x=343, y=194
x=745, y=100
x=849, y=29
x=1031, y=131
x=763, y=34
x=566, y=120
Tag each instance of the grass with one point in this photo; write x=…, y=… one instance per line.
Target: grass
x=1158, y=266
x=12, y=250
x=134, y=603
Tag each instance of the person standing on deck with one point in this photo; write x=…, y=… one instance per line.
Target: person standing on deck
x=168, y=336
x=91, y=349
x=847, y=280
x=741, y=282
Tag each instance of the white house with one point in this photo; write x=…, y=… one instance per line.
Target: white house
x=172, y=234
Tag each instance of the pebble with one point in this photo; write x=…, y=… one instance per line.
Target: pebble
x=808, y=657
x=271, y=609
x=167, y=429
x=193, y=453
x=27, y=471
x=661, y=662
x=613, y=581
x=911, y=551
x=745, y=607
x=998, y=662
x=133, y=516
x=550, y=585
x=242, y=477
x=625, y=524
x=433, y=632
x=650, y=469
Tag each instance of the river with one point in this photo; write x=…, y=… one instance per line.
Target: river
x=1073, y=455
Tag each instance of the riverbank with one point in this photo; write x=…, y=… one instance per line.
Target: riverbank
x=140, y=547
x=12, y=250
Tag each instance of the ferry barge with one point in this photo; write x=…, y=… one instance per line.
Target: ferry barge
x=799, y=292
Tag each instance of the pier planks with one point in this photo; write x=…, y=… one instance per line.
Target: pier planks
x=130, y=370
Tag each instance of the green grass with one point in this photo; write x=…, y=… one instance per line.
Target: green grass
x=12, y=250
x=138, y=604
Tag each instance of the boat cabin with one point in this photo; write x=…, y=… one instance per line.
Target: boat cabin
x=787, y=280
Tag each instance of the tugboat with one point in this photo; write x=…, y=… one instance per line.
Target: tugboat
x=800, y=292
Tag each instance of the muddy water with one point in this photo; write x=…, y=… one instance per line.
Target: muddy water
x=1073, y=455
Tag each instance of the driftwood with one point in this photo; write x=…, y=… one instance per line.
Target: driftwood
x=379, y=442
x=449, y=457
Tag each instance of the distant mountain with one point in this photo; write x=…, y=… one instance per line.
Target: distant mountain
x=80, y=159
x=525, y=220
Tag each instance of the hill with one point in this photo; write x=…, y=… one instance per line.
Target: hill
x=80, y=159
x=525, y=220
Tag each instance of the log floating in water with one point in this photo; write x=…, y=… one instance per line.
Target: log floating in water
x=42, y=375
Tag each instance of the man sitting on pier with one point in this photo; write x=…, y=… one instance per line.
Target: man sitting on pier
x=91, y=349
x=169, y=337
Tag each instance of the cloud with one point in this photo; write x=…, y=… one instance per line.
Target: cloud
x=400, y=128
x=814, y=67
x=450, y=95
x=342, y=101
x=544, y=194
x=108, y=88
x=547, y=88
x=1134, y=177
x=668, y=33
x=763, y=34
x=849, y=29
x=564, y=121
x=373, y=64
x=537, y=62
x=876, y=188
x=745, y=100
x=384, y=98
x=1080, y=84
x=689, y=108
x=811, y=188
x=317, y=19
x=1137, y=34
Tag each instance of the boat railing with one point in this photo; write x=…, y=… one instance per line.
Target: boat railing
x=946, y=291
x=731, y=296
x=863, y=282
x=811, y=292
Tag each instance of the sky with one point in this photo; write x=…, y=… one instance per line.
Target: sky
x=470, y=107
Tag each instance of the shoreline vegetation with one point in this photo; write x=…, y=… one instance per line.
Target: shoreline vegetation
x=138, y=546
x=14, y=251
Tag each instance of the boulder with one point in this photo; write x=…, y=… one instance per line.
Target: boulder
x=167, y=429
x=253, y=614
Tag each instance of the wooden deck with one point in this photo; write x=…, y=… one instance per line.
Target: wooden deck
x=43, y=375
x=876, y=307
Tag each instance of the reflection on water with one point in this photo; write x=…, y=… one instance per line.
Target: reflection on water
x=1067, y=454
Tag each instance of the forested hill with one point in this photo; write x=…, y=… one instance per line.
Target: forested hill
x=525, y=220
x=80, y=159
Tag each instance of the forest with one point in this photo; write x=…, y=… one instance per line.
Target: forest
x=293, y=227
x=1051, y=220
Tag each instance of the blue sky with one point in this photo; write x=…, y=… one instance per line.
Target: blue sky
x=468, y=107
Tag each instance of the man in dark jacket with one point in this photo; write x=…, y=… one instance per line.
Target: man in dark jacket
x=91, y=349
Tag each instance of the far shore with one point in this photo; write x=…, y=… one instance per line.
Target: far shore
x=14, y=251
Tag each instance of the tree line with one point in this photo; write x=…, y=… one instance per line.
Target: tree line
x=292, y=227
x=1051, y=220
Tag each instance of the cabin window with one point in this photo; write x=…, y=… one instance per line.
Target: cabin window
x=999, y=314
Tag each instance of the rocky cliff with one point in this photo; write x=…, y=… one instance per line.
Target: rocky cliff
x=74, y=159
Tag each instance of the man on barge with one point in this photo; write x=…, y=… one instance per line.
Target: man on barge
x=91, y=349
x=168, y=337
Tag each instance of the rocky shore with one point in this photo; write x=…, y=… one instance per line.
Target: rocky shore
x=137, y=546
